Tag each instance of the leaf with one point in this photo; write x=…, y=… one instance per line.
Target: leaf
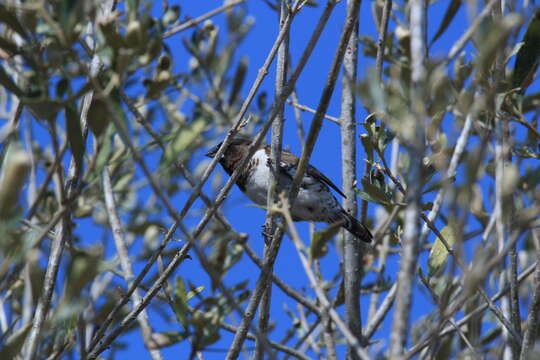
x=82, y=269
x=451, y=11
x=98, y=116
x=528, y=55
x=368, y=146
x=122, y=183
x=75, y=137
x=9, y=84
x=384, y=137
x=319, y=247
x=438, y=254
x=238, y=80
x=166, y=338
x=8, y=48
x=378, y=195
x=194, y=292
x=12, y=346
x=116, y=110
x=104, y=153
x=365, y=196
x=10, y=19
x=185, y=138
x=531, y=102
x=181, y=308
x=436, y=185
x=171, y=15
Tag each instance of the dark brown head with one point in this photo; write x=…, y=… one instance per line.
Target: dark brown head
x=233, y=155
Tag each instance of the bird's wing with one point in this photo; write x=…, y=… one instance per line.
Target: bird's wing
x=289, y=163
x=313, y=172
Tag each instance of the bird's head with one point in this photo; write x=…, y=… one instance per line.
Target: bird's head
x=238, y=144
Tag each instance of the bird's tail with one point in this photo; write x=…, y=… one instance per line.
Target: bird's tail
x=356, y=228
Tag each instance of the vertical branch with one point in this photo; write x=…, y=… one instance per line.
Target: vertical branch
x=125, y=262
x=49, y=282
x=383, y=29
x=503, y=203
x=352, y=254
x=275, y=158
x=412, y=212
x=532, y=318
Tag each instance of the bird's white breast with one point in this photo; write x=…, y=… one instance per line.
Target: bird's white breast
x=257, y=182
x=314, y=202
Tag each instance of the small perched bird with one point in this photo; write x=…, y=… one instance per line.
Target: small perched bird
x=315, y=201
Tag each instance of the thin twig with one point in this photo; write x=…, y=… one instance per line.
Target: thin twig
x=301, y=299
x=381, y=43
x=381, y=313
x=208, y=15
x=298, y=106
x=287, y=350
x=459, y=148
x=462, y=41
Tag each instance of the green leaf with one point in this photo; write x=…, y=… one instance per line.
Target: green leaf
x=104, y=153
x=116, y=109
x=8, y=17
x=238, y=80
x=82, y=269
x=368, y=146
x=436, y=185
x=438, y=254
x=531, y=102
x=528, y=55
x=194, y=292
x=98, y=116
x=451, y=11
x=166, y=338
x=9, y=47
x=9, y=84
x=180, y=305
x=375, y=193
x=12, y=346
x=365, y=196
x=185, y=138
x=319, y=247
x=384, y=137
x=75, y=137
x=172, y=14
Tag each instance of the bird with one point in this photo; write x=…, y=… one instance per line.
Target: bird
x=315, y=201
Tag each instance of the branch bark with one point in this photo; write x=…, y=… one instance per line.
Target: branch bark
x=352, y=252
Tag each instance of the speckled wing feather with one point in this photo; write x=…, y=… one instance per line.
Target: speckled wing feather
x=289, y=163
